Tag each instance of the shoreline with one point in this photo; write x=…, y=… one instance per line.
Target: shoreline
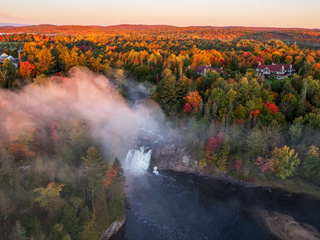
x=173, y=158
x=248, y=184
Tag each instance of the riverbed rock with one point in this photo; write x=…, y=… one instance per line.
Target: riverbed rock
x=286, y=227
x=175, y=158
x=112, y=230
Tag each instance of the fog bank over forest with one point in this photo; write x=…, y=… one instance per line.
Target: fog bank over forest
x=83, y=95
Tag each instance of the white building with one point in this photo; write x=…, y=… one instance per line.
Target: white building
x=4, y=57
x=280, y=71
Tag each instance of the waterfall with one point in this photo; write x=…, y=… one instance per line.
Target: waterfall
x=137, y=160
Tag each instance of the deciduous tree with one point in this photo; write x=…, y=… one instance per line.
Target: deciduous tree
x=286, y=162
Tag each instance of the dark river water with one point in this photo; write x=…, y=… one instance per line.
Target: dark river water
x=185, y=206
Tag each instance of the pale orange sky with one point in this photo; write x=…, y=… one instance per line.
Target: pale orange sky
x=271, y=13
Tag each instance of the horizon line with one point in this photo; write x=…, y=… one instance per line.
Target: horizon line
x=142, y=24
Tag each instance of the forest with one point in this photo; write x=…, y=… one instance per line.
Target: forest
x=235, y=123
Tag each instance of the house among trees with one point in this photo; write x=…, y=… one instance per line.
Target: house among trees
x=279, y=71
x=201, y=70
x=4, y=57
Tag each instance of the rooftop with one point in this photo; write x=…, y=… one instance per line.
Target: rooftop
x=275, y=67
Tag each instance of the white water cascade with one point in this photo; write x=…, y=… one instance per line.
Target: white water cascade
x=137, y=161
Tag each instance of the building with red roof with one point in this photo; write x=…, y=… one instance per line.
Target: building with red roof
x=280, y=71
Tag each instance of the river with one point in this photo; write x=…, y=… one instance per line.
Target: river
x=169, y=205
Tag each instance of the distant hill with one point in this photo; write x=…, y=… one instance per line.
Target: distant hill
x=12, y=24
x=49, y=28
x=289, y=35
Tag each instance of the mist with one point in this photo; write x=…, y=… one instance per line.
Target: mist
x=83, y=95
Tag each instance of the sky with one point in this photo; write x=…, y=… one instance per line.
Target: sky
x=270, y=13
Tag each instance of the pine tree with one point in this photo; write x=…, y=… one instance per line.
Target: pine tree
x=311, y=165
x=116, y=192
x=101, y=212
x=168, y=92
x=70, y=220
x=19, y=233
x=79, y=139
x=35, y=230
x=256, y=144
x=94, y=169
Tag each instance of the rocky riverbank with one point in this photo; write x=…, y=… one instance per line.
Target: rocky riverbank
x=170, y=157
x=175, y=157
x=112, y=230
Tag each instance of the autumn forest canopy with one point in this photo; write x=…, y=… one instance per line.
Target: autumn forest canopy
x=60, y=176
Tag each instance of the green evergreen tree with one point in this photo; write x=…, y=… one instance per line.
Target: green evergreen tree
x=19, y=233
x=35, y=229
x=311, y=165
x=101, y=212
x=94, y=169
x=116, y=192
x=168, y=92
x=58, y=233
x=79, y=140
x=89, y=231
x=70, y=221
x=84, y=216
x=256, y=144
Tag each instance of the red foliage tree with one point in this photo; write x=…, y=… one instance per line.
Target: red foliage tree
x=272, y=107
x=110, y=175
x=266, y=165
x=214, y=143
x=27, y=69
x=255, y=113
x=187, y=108
x=246, y=54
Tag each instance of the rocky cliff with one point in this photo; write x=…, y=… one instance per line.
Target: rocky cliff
x=175, y=158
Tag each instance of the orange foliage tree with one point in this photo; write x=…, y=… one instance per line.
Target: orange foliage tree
x=27, y=69
x=193, y=101
x=20, y=151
